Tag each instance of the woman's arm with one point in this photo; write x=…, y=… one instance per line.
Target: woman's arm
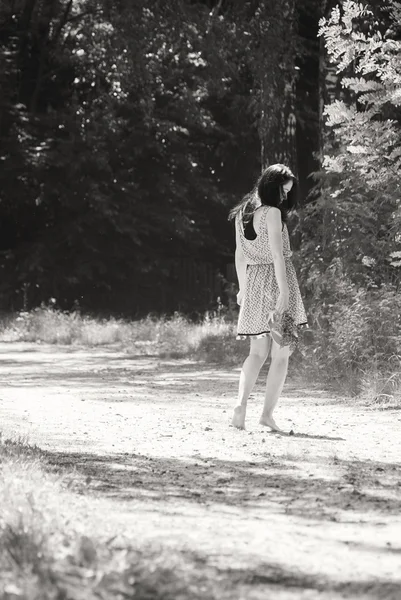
x=274, y=227
x=240, y=267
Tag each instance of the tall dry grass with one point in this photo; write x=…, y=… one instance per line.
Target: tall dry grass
x=210, y=338
x=357, y=351
x=356, y=342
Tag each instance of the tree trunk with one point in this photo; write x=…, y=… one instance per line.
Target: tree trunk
x=43, y=35
x=329, y=81
x=62, y=23
x=276, y=67
x=329, y=90
x=24, y=28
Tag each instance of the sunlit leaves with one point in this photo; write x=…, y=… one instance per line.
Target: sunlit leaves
x=365, y=128
x=356, y=217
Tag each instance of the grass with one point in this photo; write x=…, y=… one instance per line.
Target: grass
x=381, y=390
x=211, y=338
x=52, y=326
x=54, y=543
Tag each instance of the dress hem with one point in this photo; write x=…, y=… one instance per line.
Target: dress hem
x=246, y=336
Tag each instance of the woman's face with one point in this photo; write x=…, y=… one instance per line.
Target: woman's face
x=287, y=186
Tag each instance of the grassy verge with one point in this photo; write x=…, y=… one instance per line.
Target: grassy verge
x=55, y=544
x=340, y=362
x=211, y=338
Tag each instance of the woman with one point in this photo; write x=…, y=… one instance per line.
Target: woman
x=271, y=307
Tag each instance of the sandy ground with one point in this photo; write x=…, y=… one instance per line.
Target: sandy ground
x=314, y=515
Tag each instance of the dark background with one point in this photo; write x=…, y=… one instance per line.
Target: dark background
x=127, y=131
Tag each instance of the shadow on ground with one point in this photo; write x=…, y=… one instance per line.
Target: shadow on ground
x=269, y=485
x=357, y=486
x=279, y=579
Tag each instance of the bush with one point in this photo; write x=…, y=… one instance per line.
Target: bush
x=221, y=347
x=357, y=339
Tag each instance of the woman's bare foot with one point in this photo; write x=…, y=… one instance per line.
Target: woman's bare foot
x=270, y=422
x=238, y=419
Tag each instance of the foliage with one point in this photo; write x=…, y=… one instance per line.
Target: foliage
x=354, y=213
x=356, y=331
x=366, y=124
x=349, y=261
x=357, y=209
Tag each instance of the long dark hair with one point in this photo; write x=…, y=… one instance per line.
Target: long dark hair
x=268, y=191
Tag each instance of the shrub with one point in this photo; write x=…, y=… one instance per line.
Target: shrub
x=357, y=338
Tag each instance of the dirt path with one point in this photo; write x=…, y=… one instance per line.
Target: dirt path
x=315, y=515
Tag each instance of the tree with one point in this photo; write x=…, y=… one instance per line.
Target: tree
x=355, y=215
x=351, y=243
x=368, y=123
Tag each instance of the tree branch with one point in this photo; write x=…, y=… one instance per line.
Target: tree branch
x=63, y=22
x=213, y=16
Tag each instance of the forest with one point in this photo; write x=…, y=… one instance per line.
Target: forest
x=128, y=129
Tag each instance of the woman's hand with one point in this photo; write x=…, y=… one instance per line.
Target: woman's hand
x=240, y=296
x=283, y=302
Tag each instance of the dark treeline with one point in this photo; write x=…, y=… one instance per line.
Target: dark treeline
x=128, y=129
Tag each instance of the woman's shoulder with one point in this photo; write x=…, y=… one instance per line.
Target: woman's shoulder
x=263, y=209
x=272, y=210
x=259, y=218
x=270, y=213
x=266, y=208
x=273, y=216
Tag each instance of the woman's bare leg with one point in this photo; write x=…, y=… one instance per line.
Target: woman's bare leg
x=274, y=384
x=259, y=351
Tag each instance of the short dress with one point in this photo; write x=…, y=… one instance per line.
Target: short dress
x=262, y=291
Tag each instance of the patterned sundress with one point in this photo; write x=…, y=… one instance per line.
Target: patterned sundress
x=262, y=291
